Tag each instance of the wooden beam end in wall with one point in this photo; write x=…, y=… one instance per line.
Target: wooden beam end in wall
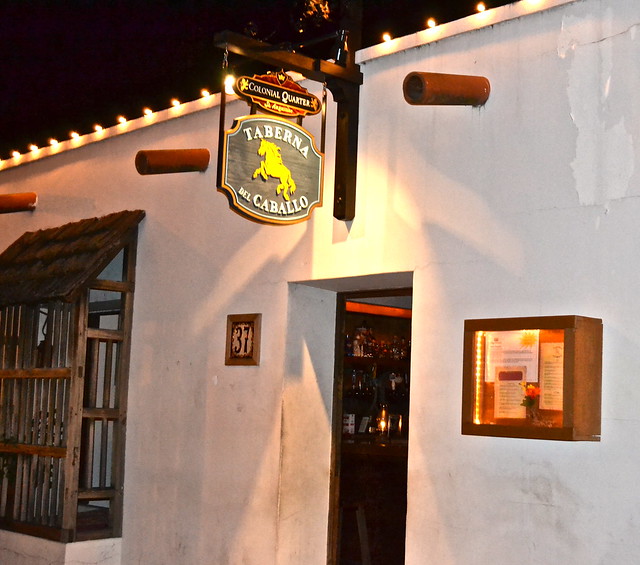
x=163, y=161
x=18, y=202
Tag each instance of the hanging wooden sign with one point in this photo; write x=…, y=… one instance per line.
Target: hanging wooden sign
x=271, y=170
x=277, y=93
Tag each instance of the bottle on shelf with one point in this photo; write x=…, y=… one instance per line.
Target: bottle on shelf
x=348, y=346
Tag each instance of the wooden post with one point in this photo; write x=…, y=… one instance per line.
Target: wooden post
x=348, y=98
x=19, y=202
x=161, y=161
x=430, y=89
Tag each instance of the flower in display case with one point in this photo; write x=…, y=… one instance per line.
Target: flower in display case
x=531, y=393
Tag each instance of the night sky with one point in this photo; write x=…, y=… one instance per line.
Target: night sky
x=69, y=64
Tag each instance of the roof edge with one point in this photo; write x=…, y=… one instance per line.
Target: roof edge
x=474, y=22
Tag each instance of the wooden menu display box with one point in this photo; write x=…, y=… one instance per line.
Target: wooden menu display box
x=538, y=378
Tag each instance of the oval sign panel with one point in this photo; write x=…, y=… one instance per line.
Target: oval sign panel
x=271, y=170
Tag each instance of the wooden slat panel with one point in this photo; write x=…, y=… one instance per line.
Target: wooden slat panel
x=33, y=421
x=66, y=340
x=96, y=494
x=5, y=408
x=61, y=410
x=13, y=402
x=103, y=451
x=56, y=494
x=55, y=511
x=91, y=373
x=108, y=370
x=31, y=493
x=3, y=335
x=30, y=449
x=51, y=411
x=22, y=412
x=46, y=345
x=17, y=336
x=54, y=330
x=113, y=286
x=31, y=338
x=31, y=330
x=6, y=335
x=10, y=336
x=88, y=436
x=25, y=340
x=22, y=487
x=15, y=318
x=122, y=378
x=73, y=421
x=7, y=324
x=62, y=373
x=42, y=511
x=34, y=336
x=101, y=413
x=95, y=333
x=41, y=412
x=8, y=489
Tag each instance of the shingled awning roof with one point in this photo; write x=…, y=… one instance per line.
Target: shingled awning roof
x=53, y=264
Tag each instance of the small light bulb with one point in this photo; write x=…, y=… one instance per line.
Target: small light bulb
x=386, y=36
x=175, y=102
x=74, y=135
x=15, y=154
x=147, y=111
x=122, y=120
x=229, y=81
x=53, y=141
x=431, y=22
x=481, y=7
x=204, y=92
x=97, y=128
x=33, y=147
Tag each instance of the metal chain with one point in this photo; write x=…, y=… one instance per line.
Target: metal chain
x=323, y=123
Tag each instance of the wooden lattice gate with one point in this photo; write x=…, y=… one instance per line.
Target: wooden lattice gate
x=35, y=378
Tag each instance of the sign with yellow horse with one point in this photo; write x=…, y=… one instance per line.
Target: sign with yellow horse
x=271, y=170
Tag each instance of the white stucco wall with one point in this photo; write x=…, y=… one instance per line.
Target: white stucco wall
x=527, y=206
x=18, y=549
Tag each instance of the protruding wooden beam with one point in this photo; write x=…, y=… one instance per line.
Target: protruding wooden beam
x=18, y=202
x=162, y=161
x=430, y=89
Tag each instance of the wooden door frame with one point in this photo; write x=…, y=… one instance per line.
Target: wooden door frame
x=333, y=537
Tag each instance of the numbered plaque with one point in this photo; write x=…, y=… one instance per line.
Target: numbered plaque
x=243, y=339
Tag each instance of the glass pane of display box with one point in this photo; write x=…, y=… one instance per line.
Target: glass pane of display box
x=534, y=377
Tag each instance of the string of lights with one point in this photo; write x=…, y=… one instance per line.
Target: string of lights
x=16, y=155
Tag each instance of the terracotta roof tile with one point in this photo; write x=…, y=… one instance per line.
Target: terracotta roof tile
x=54, y=263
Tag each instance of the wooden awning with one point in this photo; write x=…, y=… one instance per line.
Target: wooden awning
x=54, y=263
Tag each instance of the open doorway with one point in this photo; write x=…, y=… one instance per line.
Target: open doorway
x=370, y=428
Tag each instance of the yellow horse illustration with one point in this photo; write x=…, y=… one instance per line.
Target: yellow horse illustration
x=272, y=166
